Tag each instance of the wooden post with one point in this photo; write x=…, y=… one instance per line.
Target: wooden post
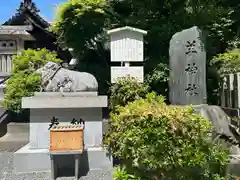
x=237, y=90
x=230, y=90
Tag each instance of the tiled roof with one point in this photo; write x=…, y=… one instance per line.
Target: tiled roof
x=28, y=8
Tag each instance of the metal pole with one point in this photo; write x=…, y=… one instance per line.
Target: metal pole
x=76, y=166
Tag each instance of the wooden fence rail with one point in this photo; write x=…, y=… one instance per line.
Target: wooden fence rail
x=230, y=91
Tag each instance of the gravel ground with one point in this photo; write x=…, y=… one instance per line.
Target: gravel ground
x=6, y=172
x=10, y=144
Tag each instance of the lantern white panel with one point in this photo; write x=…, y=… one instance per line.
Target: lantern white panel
x=4, y=62
x=9, y=63
x=118, y=72
x=127, y=46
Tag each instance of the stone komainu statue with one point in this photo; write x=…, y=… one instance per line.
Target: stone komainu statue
x=54, y=78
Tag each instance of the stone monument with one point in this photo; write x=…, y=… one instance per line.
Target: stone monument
x=65, y=95
x=187, y=54
x=188, y=86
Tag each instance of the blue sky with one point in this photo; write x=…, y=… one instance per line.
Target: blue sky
x=8, y=8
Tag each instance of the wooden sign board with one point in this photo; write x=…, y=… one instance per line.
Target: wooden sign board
x=66, y=138
x=127, y=44
x=118, y=72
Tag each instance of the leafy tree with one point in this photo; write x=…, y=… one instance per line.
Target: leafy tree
x=24, y=82
x=88, y=20
x=227, y=62
x=79, y=24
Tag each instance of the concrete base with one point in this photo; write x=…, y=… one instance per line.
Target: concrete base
x=38, y=160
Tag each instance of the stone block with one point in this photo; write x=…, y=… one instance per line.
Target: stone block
x=65, y=94
x=38, y=102
x=40, y=120
x=31, y=160
x=28, y=160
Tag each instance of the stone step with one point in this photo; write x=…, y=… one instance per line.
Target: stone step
x=20, y=137
x=7, y=146
x=16, y=128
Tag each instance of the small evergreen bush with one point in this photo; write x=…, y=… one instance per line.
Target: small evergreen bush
x=125, y=90
x=154, y=140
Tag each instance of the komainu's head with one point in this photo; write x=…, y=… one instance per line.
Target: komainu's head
x=48, y=70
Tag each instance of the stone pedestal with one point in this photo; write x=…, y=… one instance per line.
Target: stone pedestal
x=40, y=120
x=43, y=106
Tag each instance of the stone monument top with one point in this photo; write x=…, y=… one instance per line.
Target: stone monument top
x=55, y=78
x=187, y=54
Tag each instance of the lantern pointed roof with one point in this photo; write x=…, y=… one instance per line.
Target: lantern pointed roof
x=16, y=31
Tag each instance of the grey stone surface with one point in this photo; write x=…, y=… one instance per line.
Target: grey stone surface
x=37, y=102
x=217, y=117
x=40, y=120
x=34, y=160
x=56, y=78
x=187, y=84
x=7, y=173
x=91, y=159
x=225, y=131
x=15, y=128
x=66, y=94
x=17, y=137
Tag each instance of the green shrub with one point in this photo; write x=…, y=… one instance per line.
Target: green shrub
x=122, y=174
x=158, y=79
x=153, y=139
x=126, y=90
x=23, y=81
x=227, y=63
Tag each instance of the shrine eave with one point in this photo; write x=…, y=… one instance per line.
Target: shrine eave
x=16, y=31
x=26, y=11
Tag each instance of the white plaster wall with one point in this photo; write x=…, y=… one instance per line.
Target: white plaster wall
x=40, y=120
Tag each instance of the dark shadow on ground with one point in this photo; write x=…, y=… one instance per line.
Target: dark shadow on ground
x=4, y=119
x=67, y=165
